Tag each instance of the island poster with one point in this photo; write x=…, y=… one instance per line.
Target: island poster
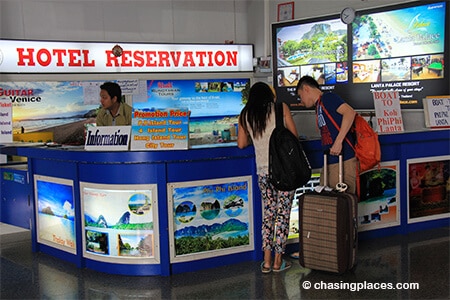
x=55, y=214
x=214, y=106
x=119, y=222
x=56, y=111
x=379, y=202
x=210, y=216
x=428, y=188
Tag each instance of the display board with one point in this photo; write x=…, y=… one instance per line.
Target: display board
x=120, y=223
x=62, y=111
x=160, y=129
x=437, y=111
x=55, y=213
x=428, y=188
x=400, y=48
x=209, y=218
x=379, y=203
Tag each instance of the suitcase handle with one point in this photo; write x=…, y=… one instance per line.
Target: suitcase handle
x=340, y=186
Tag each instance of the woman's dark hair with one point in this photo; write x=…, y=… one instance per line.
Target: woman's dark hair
x=113, y=89
x=258, y=108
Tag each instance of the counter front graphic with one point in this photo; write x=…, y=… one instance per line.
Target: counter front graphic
x=210, y=216
x=55, y=215
x=119, y=222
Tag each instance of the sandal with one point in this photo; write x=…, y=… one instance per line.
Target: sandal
x=264, y=269
x=295, y=255
x=284, y=266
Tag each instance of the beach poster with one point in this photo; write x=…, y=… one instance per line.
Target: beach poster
x=209, y=218
x=51, y=106
x=119, y=222
x=428, y=188
x=214, y=105
x=55, y=214
x=60, y=111
x=379, y=203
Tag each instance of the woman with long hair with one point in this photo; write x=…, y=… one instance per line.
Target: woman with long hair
x=256, y=123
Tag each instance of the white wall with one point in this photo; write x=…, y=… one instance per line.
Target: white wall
x=158, y=21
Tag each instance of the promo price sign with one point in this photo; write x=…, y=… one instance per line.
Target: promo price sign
x=160, y=129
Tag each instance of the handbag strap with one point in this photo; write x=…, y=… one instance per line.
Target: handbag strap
x=279, y=114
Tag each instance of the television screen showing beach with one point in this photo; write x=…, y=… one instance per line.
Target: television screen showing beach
x=118, y=222
x=223, y=220
x=400, y=47
x=55, y=214
x=404, y=32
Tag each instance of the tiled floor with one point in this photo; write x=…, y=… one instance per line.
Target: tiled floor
x=421, y=257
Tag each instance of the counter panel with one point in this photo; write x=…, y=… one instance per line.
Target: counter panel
x=164, y=167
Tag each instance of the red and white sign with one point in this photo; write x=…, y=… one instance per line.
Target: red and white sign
x=75, y=57
x=6, y=134
x=387, y=111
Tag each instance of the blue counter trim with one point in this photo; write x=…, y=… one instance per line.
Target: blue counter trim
x=129, y=157
x=213, y=262
x=124, y=269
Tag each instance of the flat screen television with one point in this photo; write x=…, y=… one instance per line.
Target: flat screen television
x=396, y=48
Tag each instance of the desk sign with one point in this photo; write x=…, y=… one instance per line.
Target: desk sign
x=107, y=138
x=160, y=129
x=387, y=111
x=6, y=134
x=437, y=111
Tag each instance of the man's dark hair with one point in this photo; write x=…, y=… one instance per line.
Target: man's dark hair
x=113, y=89
x=307, y=80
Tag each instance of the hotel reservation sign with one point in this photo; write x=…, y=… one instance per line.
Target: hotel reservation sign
x=18, y=56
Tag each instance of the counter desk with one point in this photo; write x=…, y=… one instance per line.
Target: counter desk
x=390, y=202
x=166, y=212
x=144, y=213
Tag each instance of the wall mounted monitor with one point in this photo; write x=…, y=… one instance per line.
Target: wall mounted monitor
x=396, y=48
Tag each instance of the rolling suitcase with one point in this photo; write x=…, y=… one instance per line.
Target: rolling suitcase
x=328, y=227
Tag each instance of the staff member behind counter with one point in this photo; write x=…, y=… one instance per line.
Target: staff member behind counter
x=114, y=111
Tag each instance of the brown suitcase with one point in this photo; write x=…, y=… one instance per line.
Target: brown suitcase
x=328, y=228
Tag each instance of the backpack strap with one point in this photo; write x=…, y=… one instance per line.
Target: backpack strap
x=358, y=183
x=279, y=114
x=334, y=123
